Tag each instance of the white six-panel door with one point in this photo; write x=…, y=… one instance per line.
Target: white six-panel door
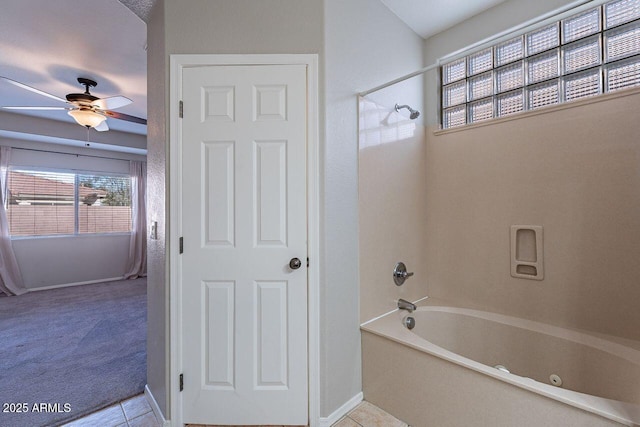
x=244, y=309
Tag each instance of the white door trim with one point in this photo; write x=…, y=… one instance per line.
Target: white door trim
x=177, y=63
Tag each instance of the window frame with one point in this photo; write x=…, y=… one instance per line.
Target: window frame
x=76, y=173
x=556, y=19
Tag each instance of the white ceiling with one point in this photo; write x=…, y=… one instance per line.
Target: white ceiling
x=49, y=44
x=429, y=17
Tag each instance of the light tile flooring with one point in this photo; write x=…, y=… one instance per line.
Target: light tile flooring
x=368, y=415
x=136, y=412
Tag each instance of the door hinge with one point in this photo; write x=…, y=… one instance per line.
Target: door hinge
x=307, y=262
x=181, y=245
x=181, y=382
x=181, y=109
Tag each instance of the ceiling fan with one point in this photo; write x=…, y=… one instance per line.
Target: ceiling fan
x=86, y=109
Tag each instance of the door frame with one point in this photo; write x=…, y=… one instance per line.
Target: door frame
x=178, y=62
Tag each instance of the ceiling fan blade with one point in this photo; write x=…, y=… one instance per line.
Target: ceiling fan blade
x=35, y=108
x=111, y=103
x=102, y=127
x=126, y=117
x=32, y=89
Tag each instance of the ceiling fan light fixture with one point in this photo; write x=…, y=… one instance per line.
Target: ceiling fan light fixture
x=87, y=118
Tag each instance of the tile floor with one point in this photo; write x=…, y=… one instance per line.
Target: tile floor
x=136, y=412
x=368, y=415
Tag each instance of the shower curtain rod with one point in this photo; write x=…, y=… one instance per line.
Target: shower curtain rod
x=400, y=79
x=569, y=8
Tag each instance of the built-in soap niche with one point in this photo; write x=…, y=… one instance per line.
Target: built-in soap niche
x=527, y=252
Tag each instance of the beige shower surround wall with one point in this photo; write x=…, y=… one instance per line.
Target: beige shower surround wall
x=392, y=208
x=573, y=169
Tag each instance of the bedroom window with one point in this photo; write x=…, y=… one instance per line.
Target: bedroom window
x=46, y=203
x=593, y=51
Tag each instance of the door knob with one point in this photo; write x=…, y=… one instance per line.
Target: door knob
x=295, y=263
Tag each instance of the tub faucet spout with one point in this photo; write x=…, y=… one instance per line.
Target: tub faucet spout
x=406, y=305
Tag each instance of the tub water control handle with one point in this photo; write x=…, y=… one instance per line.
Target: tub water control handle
x=400, y=273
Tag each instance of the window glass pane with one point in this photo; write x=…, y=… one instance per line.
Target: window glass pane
x=481, y=86
x=455, y=116
x=481, y=61
x=480, y=110
x=622, y=42
x=543, y=94
x=582, y=85
x=543, y=66
x=510, y=103
x=454, y=94
x=623, y=74
x=454, y=71
x=510, y=77
x=581, y=54
x=104, y=204
x=581, y=25
x=509, y=51
x=40, y=203
x=543, y=39
x=620, y=12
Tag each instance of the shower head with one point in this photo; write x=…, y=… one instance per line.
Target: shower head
x=413, y=114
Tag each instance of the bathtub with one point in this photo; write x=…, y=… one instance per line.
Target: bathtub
x=443, y=372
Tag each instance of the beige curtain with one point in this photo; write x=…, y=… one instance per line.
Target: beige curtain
x=11, y=282
x=137, y=263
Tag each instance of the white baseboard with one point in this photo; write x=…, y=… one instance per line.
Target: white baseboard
x=66, y=285
x=341, y=411
x=156, y=409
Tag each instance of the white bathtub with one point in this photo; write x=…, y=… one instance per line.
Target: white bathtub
x=443, y=372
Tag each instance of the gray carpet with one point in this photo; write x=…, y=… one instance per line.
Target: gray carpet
x=84, y=346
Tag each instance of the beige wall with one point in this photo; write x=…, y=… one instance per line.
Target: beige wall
x=391, y=202
x=243, y=26
x=573, y=170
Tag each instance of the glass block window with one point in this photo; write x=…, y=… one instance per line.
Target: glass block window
x=620, y=12
x=581, y=54
x=481, y=86
x=590, y=52
x=622, y=42
x=623, y=74
x=543, y=67
x=582, y=85
x=480, y=110
x=509, y=51
x=510, y=103
x=481, y=61
x=454, y=71
x=510, y=77
x=581, y=25
x=455, y=116
x=543, y=39
x=454, y=94
x=543, y=94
